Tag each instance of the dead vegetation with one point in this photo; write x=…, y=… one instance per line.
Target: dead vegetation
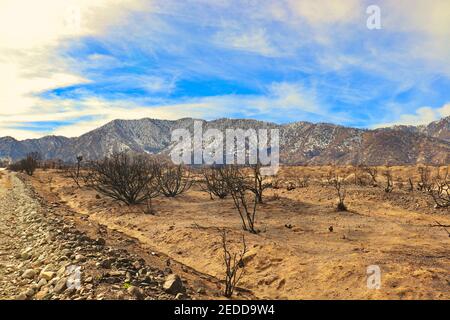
x=123, y=177
x=173, y=180
x=213, y=183
x=234, y=265
x=244, y=200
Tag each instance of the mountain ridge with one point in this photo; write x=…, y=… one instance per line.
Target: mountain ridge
x=301, y=142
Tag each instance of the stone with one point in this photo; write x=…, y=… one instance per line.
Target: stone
x=80, y=258
x=136, y=292
x=60, y=286
x=29, y=274
x=21, y=296
x=29, y=293
x=42, y=294
x=41, y=283
x=47, y=275
x=173, y=284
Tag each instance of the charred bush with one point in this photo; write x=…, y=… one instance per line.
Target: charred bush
x=123, y=177
x=173, y=180
x=234, y=265
x=244, y=199
x=213, y=183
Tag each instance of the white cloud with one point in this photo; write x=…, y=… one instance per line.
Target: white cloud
x=30, y=34
x=319, y=12
x=280, y=99
x=422, y=116
x=255, y=41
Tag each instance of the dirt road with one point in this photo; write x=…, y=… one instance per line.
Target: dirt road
x=44, y=255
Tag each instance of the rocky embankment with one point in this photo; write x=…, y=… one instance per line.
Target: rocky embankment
x=44, y=256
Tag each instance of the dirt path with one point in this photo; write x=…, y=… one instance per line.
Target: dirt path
x=46, y=252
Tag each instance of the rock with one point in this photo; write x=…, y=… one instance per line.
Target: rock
x=47, y=275
x=106, y=263
x=80, y=258
x=136, y=292
x=21, y=296
x=173, y=284
x=29, y=274
x=60, y=286
x=29, y=293
x=42, y=294
x=41, y=283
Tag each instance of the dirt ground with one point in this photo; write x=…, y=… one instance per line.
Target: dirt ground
x=295, y=256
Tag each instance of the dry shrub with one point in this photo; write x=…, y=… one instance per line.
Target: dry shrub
x=259, y=183
x=337, y=183
x=173, y=180
x=123, y=177
x=28, y=165
x=234, y=265
x=213, y=183
x=244, y=199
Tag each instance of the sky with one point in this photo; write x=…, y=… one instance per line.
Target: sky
x=70, y=66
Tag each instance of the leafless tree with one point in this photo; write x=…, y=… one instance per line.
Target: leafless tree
x=122, y=177
x=425, y=183
x=440, y=190
x=28, y=165
x=337, y=182
x=75, y=172
x=234, y=265
x=258, y=184
x=411, y=184
x=213, y=183
x=389, y=181
x=372, y=172
x=152, y=190
x=173, y=180
x=238, y=188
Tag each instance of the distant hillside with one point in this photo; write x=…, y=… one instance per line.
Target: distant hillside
x=300, y=142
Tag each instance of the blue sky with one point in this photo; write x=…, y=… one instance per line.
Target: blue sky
x=68, y=67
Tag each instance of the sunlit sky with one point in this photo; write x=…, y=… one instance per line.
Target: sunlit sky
x=67, y=67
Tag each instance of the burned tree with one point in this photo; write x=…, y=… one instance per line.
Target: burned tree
x=28, y=165
x=258, y=184
x=152, y=190
x=389, y=181
x=173, y=180
x=425, y=179
x=214, y=184
x=75, y=172
x=234, y=265
x=122, y=177
x=440, y=190
x=372, y=172
x=244, y=200
x=337, y=183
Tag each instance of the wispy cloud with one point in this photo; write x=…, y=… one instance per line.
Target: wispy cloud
x=280, y=61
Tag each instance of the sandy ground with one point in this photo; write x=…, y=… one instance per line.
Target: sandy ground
x=306, y=261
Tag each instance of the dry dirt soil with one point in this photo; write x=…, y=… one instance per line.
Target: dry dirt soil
x=295, y=255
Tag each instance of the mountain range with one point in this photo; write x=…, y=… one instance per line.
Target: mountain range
x=300, y=142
